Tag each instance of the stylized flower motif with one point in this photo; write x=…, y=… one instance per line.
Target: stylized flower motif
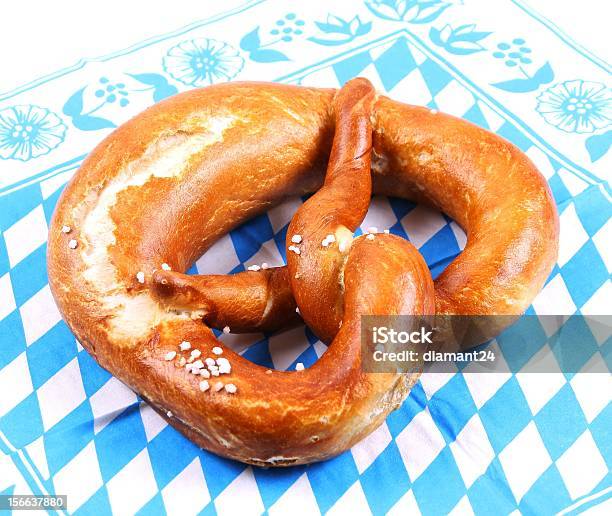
x=27, y=132
x=514, y=53
x=338, y=31
x=110, y=92
x=576, y=106
x=288, y=26
x=199, y=62
x=411, y=11
x=462, y=40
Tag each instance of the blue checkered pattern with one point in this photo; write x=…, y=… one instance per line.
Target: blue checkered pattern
x=486, y=443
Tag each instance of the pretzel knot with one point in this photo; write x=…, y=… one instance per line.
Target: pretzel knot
x=193, y=167
x=334, y=279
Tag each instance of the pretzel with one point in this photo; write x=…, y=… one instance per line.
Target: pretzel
x=163, y=187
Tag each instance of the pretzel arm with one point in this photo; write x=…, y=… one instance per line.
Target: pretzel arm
x=325, y=223
x=245, y=302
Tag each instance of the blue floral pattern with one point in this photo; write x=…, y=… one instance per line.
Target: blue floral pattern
x=518, y=57
x=112, y=91
x=85, y=106
x=461, y=41
x=200, y=62
x=338, y=31
x=515, y=53
x=411, y=11
x=27, y=132
x=576, y=106
x=285, y=30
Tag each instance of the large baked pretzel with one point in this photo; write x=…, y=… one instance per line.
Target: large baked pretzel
x=156, y=193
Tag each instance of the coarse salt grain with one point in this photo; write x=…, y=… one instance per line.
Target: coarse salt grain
x=296, y=239
x=265, y=266
x=140, y=277
x=198, y=364
x=253, y=268
x=224, y=366
x=329, y=239
x=166, y=267
x=295, y=249
x=226, y=330
x=297, y=309
x=210, y=362
x=231, y=388
x=218, y=386
x=182, y=361
x=204, y=386
x=217, y=350
x=170, y=355
x=195, y=353
x=66, y=229
x=185, y=345
x=169, y=414
x=299, y=366
x=73, y=244
x=205, y=373
x=370, y=236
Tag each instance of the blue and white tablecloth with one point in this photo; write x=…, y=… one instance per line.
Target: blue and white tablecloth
x=462, y=442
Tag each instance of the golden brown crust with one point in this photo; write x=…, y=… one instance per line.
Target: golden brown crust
x=490, y=188
x=165, y=185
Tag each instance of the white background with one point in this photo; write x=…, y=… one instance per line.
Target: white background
x=39, y=37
